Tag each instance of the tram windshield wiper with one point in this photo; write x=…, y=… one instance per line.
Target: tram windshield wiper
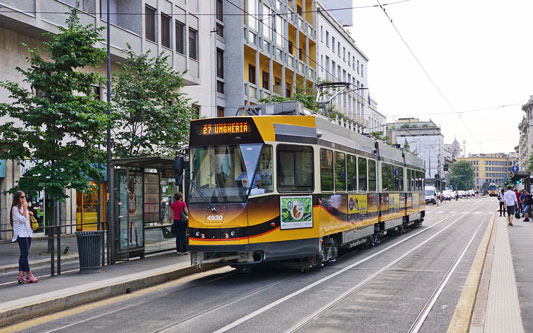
x=211, y=207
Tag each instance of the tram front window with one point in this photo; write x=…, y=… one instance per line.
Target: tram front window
x=223, y=173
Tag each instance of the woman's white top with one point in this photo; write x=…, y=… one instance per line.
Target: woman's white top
x=21, y=225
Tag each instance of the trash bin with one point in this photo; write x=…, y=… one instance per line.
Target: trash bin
x=90, y=250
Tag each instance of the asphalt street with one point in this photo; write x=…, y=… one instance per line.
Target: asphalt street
x=409, y=282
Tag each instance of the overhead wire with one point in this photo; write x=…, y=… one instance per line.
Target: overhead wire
x=461, y=112
x=424, y=69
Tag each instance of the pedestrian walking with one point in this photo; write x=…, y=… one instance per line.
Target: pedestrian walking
x=22, y=233
x=526, y=205
x=179, y=226
x=511, y=202
x=518, y=202
x=502, y=202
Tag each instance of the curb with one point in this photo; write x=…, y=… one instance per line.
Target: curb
x=18, y=313
x=37, y=263
x=465, y=305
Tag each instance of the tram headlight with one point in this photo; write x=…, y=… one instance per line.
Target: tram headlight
x=202, y=236
x=232, y=233
x=197, y=234
x=226, y=235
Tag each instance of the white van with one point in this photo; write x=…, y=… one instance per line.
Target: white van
x=431, y=194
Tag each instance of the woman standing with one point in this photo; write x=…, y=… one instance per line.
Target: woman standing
x=179, y=226
x=22, y=233
x=502, y=202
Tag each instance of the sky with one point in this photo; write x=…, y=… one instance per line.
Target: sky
x=478, y=53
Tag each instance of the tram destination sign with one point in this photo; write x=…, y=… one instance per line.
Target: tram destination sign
x=238, y=127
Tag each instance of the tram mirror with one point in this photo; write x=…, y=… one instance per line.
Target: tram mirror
x=178, y=169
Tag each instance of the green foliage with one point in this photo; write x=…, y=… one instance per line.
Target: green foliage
x=381, y=136
x=153, y=117
x=60, y=126
x=462, y=175
x=305, y=96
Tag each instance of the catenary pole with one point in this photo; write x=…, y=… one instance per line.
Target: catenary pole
x=109, y=186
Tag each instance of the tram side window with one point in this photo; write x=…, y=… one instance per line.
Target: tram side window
x=409, y=180
x=399, y=179
x=361, y=173
x=326, y=170
x=340, y=172
x=390, y=170
x=384, y=177
x=371, y=175
x=352, y=180
x=295, y=168
x=263, y=176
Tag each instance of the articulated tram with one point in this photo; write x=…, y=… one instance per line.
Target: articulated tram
x=294, y=188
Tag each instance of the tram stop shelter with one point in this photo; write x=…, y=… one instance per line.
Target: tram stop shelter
x=524, y=177
x=140, y=218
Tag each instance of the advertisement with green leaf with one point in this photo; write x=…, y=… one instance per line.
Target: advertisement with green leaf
x=296, y=212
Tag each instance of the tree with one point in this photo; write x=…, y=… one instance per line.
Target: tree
x=381, y=136
x=153, y=117
x=530, y=163
x=60, y=126
x=462, y=175
x=305, y=96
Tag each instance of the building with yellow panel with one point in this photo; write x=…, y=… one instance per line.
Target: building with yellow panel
x=264, y=48
x=491, y=168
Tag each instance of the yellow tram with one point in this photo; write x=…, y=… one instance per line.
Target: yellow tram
x=294, y=188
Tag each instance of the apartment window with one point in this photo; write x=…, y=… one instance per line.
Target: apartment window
x=358, y=67
x=333, y=67
x=220, y=63
x=353, y=62
x=339, y=49
x=180, y=37
x=333, y=44
x=220, y=87
x=322, y=62
x=220, y=10
x=220, y=30
x=165, y=30
x=288, y=89
x=150, y=22
x=266, y=80
x=299, y=10
x=327, y=38
x=291, y=48
x=349, y=56
x=251, y=73
x=322, y=34
x=327, y=64
x=220, y=111
x=267, y=23
x=343, y=53
x=362, y=71
x=193, y=44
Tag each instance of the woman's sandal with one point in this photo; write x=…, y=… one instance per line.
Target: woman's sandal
x=32, y=278
x=21, y=279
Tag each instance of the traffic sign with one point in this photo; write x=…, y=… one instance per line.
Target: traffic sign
x=514, y=168
x=505, y=179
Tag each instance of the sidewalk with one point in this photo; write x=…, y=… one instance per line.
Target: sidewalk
x=504, y=301
x=54, y=294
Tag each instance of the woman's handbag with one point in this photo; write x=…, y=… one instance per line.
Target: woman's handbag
x=34, y=223
x=184, y=218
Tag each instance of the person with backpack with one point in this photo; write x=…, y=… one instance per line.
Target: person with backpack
x=502, y=202
x=180, y=224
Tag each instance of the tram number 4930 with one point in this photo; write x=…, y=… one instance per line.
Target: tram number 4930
x=215, y=218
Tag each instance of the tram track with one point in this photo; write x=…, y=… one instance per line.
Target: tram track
x=220, y=307
x=309, y=318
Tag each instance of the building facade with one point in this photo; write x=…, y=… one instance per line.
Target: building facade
x=491, y=168
x=342, y=61
x=174, y=28
x=425, y=140
x=526, y=135
x=263, y=49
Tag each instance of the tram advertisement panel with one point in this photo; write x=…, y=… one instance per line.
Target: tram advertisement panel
x=416, y=200
x=357, y=204
x=296, y=212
